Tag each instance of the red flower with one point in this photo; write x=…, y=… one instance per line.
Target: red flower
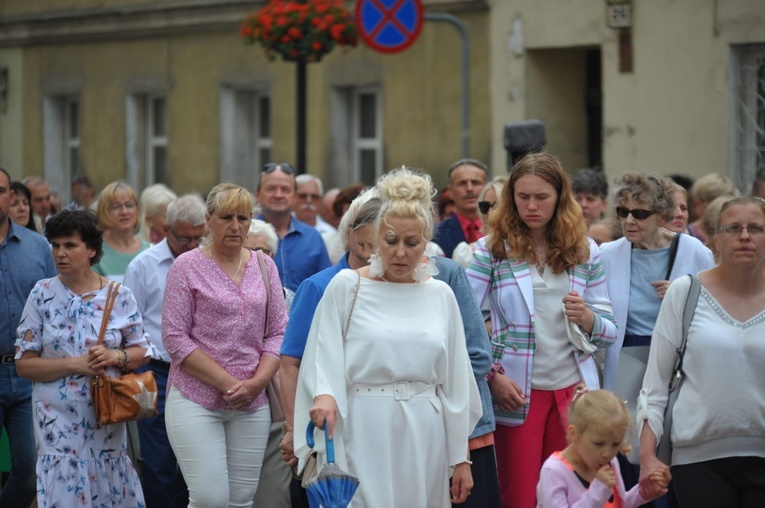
x=304, y=29
x=337, y=31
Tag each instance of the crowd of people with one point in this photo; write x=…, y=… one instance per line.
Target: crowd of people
x=414, y=327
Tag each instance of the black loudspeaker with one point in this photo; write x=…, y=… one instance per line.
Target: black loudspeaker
x=523, y=137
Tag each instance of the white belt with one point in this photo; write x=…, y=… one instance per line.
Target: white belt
x=403, y=390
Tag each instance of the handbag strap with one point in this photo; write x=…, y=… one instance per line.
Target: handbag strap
x=673, y=254
x=690, y=309
x=267, y=284
x=353, y=304
x=111, y=296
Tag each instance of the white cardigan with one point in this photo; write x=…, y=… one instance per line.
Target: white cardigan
x=692, y=257
x=720, y=410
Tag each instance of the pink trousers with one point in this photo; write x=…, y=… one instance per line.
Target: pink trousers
x=522, y=450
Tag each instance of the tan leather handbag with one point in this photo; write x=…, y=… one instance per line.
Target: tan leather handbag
x=128, y=397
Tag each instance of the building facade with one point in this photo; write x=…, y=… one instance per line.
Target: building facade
x=166, y=91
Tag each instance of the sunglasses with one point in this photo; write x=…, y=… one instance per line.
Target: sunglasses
x=637, y=213
x=485, y=206
x=271, y=167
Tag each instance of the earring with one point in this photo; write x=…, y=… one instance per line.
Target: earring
x=375, y=265
x=425, y=268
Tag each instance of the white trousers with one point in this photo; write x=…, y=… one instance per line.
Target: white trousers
x=219, y=452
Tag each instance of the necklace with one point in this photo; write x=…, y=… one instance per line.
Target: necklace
x=209, y=251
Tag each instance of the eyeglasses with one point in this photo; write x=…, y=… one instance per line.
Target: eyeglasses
x=485, y=206
x=737, y=229
x=637, y=213
x=305, y=195
x=267, y=252
x=127, y=205
x=271, y=167
x=185, y=240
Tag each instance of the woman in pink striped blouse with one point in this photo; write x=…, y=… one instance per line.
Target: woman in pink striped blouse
x=213, y=326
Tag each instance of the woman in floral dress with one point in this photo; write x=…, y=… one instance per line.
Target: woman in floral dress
x=78, y=463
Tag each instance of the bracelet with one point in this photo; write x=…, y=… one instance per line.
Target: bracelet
x=126, y=360
x=496, y=368
x=120, y=357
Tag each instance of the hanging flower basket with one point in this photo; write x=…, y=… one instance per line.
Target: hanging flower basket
x=300, y=30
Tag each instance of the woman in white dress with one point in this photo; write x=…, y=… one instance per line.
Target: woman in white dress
x=386, y=367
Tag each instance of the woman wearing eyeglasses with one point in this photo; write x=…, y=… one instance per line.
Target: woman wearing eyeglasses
x=544, y=284
x=718, y=428
x=117, y=213
x=639, y=268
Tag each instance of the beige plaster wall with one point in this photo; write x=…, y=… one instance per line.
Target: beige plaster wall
x=11, y=117
x=420, y=87
x=671, y=114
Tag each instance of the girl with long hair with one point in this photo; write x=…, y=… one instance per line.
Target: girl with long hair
x=550, y=312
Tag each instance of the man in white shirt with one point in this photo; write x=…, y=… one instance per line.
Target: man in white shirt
x=145, y=276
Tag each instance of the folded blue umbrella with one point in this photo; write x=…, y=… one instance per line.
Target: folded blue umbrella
x=333, y=487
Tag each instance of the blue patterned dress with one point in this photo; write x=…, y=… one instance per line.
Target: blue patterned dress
x=79, y=464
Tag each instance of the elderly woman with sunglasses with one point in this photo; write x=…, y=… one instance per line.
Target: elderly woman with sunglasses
x=639, y=268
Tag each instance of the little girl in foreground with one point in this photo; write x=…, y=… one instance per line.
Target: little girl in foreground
x=586, y=473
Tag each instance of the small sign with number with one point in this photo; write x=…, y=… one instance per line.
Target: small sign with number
x=619, y=15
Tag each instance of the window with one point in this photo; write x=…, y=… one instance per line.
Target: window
x=147, y=140
x=245, y=135
x=357, y=141
x=61, y=140
x=747, y=137
x=367, y=134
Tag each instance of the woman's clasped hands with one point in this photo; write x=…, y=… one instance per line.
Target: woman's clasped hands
x=100, y=357
x=242, y=394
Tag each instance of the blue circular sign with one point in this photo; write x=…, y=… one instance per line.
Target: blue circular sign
x=389, y=26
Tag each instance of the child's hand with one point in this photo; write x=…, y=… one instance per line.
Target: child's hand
x=606, y=475
x=658, y=480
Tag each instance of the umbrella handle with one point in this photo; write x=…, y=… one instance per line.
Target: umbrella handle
x=330, y=444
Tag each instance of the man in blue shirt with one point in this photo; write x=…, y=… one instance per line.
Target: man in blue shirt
x=301, y=251
x=25, y=258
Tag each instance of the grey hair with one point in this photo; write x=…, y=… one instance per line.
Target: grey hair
x=352, y=219
x=267, y=231
x=306, y=178
x=152, y=199
x=33, y=180
x=189, y=208
x=650, y=189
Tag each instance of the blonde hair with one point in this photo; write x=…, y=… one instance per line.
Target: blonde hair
x=229, y=197
x=711, y=218
x=600, y=410
x=709, y=187
x=108, y=197
x=407, y=194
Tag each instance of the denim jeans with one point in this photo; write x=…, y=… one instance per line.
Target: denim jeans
x=16, y=417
